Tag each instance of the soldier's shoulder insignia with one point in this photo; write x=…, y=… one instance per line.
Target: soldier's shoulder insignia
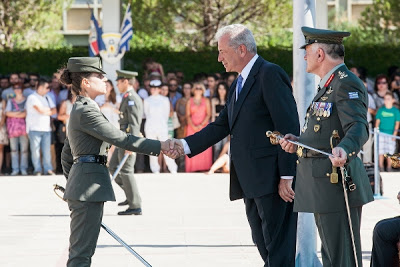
x=131, y=103
x=353, y=95
x=342, y=74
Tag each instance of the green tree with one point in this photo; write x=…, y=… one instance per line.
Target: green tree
x=193, y=24
x=382, y=20
x=31, y=24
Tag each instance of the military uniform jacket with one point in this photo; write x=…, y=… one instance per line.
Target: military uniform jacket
x=90, y=133
x=340, y=105
x=131, y=112
x=265, y=103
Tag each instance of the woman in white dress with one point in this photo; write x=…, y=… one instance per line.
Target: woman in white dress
x=157, y=111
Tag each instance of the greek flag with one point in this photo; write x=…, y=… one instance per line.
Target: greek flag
x=126, y=31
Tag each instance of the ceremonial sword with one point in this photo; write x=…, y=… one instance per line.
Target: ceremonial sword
x=119, y=167
x=108, y=230
x=105, y=227
x=274, y=139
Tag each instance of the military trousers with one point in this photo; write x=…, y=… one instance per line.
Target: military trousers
x=85, y=227
x=273, y=227
x=336, y=244
x=125, y=178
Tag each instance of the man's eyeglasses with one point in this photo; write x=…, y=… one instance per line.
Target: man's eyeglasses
x=172, y=85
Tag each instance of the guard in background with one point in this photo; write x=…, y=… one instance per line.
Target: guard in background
x=336, y=122
x=131, y=113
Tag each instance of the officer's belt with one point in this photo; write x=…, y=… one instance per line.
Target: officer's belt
x=100, y=159
x=307, y=153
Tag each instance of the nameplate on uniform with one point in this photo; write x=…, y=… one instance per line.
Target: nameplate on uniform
x=131, y=103
x=353, y=95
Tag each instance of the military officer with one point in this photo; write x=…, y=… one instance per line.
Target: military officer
x=336, y=122
x=84, y=156
x=130, y=119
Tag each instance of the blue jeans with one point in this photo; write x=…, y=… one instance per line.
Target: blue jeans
x=40, y=140
x=19, y=145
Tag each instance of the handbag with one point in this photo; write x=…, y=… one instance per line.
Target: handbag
x=175, y=121
x=15, y=126
x=61, y=132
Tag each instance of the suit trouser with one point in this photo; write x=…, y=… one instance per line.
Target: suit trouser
x=125, y=178
x=273, y=226
x=85, y=227
x=384, y=247
x=336, y=244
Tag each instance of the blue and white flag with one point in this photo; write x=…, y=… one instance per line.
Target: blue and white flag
x=126, y=31
x=96, y=43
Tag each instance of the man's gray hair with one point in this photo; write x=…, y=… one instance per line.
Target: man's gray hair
x=335, y=51
x=238, y=35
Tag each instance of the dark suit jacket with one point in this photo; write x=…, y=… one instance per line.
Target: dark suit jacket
x=265, y=103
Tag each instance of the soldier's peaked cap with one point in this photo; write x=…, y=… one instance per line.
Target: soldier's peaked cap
x=313, y=35
x=125, y=74
x=85, y=64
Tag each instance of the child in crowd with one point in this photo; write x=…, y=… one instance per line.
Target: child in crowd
x=387, y=120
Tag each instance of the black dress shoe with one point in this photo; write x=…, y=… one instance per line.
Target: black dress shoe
x=137, y=211
x=123, y=203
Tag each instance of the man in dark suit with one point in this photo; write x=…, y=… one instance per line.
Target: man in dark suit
x=336, y=122
x=259, y=100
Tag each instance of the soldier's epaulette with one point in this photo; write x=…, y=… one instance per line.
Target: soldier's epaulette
x=342, y=74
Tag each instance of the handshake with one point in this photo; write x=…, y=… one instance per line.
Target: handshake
x=172, y=148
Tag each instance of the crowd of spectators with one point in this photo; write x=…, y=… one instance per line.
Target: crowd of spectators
x=35, y=111
x=383, y=113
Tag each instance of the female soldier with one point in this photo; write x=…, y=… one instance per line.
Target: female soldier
x=84, y=156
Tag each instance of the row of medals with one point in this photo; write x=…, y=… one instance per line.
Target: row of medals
x=320, y=109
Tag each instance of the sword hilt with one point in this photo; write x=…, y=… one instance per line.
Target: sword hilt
x=274, y=137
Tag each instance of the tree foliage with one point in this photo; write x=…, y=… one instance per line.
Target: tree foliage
x=31, y=24
x=382, y=21
x=193, y=24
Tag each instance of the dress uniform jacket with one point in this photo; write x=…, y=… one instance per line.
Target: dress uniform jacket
x=344, y=100
x=265, y=103
x=89, y=133
x=131, y=113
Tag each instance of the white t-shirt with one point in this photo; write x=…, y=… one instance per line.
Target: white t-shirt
x=36, y=121
x=156, y=109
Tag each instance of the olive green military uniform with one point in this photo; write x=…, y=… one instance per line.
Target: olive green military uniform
x=340, y=105
x=131, y=114
x=88, y=185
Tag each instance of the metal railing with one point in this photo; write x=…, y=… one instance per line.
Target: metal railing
x=377, y=180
